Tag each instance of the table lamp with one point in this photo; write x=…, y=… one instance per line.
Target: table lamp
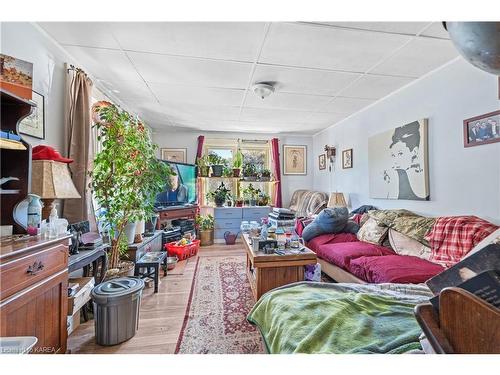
x=51, y=180
x=336, y=200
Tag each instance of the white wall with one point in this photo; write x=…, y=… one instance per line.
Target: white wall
x=189, y=140
x=26, y=42
x=462, y=180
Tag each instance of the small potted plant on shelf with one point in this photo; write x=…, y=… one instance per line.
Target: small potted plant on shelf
x=205, y=226
x=263, y=199
x=220, y=195
x=217, y=163
x=249, y=172
x=265, y=175
x=228, y=172
x=125, y=179
x=250, y=193
x=237, y=163
x=203, y=166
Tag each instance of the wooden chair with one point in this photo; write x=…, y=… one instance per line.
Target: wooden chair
x=465, y=324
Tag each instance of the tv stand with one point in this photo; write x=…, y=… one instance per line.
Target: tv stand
x=176, y=212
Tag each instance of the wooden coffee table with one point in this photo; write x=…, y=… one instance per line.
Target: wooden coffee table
x=269, y=271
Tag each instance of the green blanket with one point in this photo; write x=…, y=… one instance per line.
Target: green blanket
x=339, y=318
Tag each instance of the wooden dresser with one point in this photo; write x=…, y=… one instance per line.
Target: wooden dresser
x=33, y=291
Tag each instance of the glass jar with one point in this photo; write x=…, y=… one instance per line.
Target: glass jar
x=254, y=228
x=245, y=226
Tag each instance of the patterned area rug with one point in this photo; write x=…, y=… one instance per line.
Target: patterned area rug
x=220, y=300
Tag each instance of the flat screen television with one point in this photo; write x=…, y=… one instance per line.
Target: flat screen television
x=183, y=186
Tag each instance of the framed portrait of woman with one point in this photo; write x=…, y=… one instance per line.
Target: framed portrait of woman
x=398, y=163
x=294, y=159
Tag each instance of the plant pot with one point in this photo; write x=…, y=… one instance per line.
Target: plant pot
x=250, y=178
x=129, y=232
x=236, y=172
x=206, y=237
x=265, y=178
x=252, y=202
x=150, y=226
x=219, y=202
x=204, y=171
x=239, y=203
x=217, y=170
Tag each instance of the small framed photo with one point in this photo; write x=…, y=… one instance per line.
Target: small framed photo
x=177, y=155
x=322, y=162
x=482, y=129
x=34, y=124
x=294, y=160
x=347, y=158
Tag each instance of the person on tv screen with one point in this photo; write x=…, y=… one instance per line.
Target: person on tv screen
x=177, y=192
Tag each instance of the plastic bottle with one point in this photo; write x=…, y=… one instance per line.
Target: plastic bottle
x=34, y=215
x=53, y=218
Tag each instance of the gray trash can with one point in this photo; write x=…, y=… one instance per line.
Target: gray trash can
x=116, y=309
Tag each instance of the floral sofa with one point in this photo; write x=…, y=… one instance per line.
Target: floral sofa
x=398, y=246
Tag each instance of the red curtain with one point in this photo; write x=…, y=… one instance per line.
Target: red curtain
x=199, y=152
x=275, y=154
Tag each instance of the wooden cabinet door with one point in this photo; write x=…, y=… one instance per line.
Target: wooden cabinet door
x=40, y=311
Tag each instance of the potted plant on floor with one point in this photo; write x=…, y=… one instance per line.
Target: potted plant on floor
x=203, y=166
x=205, y=226
x=237, y=163
x=217, y=163
x=219, y=195
x=126, y=176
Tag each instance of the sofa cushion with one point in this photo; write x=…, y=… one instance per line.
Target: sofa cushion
x=332, y=238
x=341, y=254
x=330, y=220
x=404, y=245
x=372, y=232
x=393, y=269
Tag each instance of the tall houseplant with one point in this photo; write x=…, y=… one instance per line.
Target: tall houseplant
x=126, y=176
x=237, y=163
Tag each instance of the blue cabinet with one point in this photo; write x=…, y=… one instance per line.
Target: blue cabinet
x=230, y=218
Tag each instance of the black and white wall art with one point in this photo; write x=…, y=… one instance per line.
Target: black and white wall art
x=398, y=163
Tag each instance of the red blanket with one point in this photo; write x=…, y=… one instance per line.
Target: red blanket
x=452, y=237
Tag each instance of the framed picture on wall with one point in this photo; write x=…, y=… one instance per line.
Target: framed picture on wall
x=322, y=161
x=177, y=155
x=34, y=124
x=347, y=159
x=294, y=160
x=482, y=129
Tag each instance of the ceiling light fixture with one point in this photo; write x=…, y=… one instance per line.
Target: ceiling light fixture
x=263, y=89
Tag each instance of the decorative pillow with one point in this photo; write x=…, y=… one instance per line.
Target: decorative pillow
x=493, y=238
x=330, y=220
x=371, y=232
x=404, y=245
x=387, y=217
x=415, y=227
x=363, y=219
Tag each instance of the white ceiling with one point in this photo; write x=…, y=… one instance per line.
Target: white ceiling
x=198, y=75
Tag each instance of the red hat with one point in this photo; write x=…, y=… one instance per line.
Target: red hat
x=48, y=153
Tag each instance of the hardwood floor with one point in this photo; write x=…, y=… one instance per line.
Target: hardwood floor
x=161, y=315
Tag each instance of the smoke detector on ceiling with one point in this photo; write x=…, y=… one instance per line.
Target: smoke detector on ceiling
x=263, y=89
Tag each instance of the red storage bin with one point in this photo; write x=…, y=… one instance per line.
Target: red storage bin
x=182, y=252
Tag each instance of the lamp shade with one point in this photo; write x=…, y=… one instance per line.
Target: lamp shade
x=337, y=200
x=51, y=180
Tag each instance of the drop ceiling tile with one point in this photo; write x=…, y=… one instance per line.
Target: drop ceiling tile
x=128, y=89
x=220, y=40
x=303, y=81
x=346, y=105
x=197, y=95
x=374, y=86
x=411, y=28
x=327, y=47
x=190, y=71
x=281, y=100
x=202, y=111
x=86, y=34
x=273, y=115
x=420, y=56
x=105, y=64
x=436, y=30
x=326, y=118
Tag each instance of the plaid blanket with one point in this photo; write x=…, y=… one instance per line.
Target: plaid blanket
x=452, y=237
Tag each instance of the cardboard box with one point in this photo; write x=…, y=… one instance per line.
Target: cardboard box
x=82, y=295
x=16, y=76
x=73, y=321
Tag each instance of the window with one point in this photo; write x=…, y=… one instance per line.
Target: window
x=255, y=152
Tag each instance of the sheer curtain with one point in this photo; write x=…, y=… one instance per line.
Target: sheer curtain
x=275, y=158
x=79, y=144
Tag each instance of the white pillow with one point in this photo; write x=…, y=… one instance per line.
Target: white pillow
x=492, y=238
x=404, y=245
